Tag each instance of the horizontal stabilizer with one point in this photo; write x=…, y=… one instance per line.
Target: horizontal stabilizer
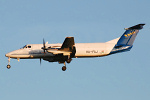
x=138, y=27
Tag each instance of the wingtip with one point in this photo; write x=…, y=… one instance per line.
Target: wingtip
x=70, y=37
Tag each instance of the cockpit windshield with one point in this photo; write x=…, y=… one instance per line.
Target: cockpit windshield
x=26, y=46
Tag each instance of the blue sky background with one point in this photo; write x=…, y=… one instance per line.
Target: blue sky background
x=124, y=76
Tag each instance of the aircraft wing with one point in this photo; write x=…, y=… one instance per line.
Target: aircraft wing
x=55, y=52
x=67, y=44
x=66, y=49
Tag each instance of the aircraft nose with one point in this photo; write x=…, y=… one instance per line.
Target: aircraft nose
x=14, y=54
x=8, y=54
x=11, y=54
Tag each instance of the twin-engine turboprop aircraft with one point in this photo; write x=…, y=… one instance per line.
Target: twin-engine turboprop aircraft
x=63, y=53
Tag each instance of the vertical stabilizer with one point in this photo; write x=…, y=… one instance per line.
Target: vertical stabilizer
x=125, y=42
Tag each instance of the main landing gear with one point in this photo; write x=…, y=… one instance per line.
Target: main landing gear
x=8, y=66
x=64, y=67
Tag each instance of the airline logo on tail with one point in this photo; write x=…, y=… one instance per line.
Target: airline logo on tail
x=129, y=34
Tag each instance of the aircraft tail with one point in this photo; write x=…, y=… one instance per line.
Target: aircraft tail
x=125, y=42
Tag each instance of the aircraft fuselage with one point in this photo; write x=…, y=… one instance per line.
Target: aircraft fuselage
x=69, y=49
x=82, y=50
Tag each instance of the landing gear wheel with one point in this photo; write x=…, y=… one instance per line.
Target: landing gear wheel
x=8, y=66
x=64, y=68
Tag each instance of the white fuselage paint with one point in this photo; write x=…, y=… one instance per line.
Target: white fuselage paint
x=82, y=50
x=93, y=49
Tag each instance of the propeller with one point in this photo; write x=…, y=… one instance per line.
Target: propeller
x=40, y=61
x=44, y=46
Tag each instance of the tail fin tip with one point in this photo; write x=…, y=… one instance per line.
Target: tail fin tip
x=138, y=27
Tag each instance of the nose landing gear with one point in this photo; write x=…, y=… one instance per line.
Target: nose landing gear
x=8, y=66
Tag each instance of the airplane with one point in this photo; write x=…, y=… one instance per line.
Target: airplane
x=65, y=52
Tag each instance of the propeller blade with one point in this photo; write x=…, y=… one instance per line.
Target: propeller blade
x=44, y=46
x=43, y=42
x=40, y=61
